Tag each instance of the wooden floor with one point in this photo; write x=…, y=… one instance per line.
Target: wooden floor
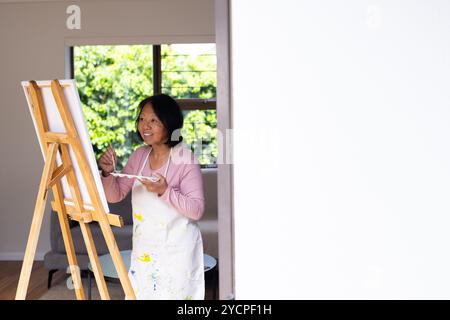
x=9, y=277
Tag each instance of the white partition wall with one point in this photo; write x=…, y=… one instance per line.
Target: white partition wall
x=341, y=111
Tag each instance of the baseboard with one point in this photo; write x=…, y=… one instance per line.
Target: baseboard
x=18, y=256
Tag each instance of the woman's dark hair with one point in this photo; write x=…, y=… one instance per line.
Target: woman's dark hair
x=168, y=112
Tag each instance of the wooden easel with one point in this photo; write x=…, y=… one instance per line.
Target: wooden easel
x=53, y=143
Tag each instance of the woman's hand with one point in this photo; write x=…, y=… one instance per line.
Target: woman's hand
x=158, y=187
x=108, y=161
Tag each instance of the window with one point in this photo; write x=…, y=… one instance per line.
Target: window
x=112, y=80
x=188, y=72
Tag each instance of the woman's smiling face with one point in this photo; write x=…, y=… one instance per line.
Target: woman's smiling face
x=150, y=127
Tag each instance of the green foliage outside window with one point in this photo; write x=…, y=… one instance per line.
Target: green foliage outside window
x=112, y=80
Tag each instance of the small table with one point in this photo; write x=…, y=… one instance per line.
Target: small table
x=110, y=274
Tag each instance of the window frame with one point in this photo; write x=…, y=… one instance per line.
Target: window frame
x=185, y=104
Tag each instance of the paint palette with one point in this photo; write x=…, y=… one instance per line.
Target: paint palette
x=132, y=176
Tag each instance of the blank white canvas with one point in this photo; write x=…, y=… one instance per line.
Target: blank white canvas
x=56, y=125
x=341, y=114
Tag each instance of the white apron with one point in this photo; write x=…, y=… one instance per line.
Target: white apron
x=167, y=253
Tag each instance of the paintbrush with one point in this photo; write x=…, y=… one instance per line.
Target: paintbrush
x=113, y=161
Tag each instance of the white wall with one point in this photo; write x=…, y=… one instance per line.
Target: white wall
x=33, y=36
x=342, y=166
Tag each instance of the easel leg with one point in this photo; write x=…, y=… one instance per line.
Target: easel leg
x=117, y=260
x=85, y=228
x=93, y=257
x=36, y=223
x=68, y=244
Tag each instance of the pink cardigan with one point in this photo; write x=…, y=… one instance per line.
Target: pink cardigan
x=184, y=180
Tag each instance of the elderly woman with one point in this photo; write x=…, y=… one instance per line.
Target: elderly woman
x=167, y=254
